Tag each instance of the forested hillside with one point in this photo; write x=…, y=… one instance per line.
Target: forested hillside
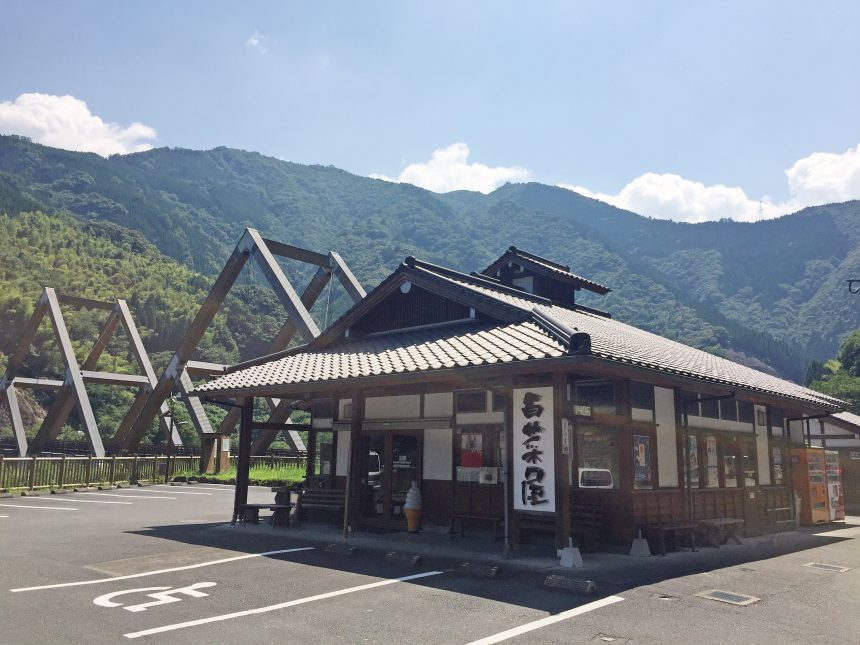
x=771, y=294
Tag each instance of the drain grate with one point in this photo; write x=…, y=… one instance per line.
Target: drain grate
x=730, y=597
x=827, y=567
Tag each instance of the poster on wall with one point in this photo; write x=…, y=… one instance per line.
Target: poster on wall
x=534, y=450
x=712, y=465
x=472, y=450
x=641, y=459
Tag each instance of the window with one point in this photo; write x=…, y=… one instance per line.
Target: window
x=479, y=453
x=776, y=460
x=323, y=408
x=599, y=396
x=597, y=458
x=748, y=461
x=690, y=401
x=472, y=401
x=729, y=410
x=324, y=459
x=498, y=402
x=777, y=420
x=710, y=408
x=642, y=396
x=730, y=463
x=745, y=412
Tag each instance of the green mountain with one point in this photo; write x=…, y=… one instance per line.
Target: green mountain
x=771, y=294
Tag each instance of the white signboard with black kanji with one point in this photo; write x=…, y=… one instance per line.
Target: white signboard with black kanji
x=533, y=450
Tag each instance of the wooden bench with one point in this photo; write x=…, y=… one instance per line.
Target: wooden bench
x=774, y=513
x=250, y=514
x=672, y=530
x=331, y=500
x=461, y=518
x=719, y=530
x=586, y=523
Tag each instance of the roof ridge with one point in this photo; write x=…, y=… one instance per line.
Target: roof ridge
x=444, y=272
x=533, y=256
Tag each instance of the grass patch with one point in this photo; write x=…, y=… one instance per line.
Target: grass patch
x=262, y=475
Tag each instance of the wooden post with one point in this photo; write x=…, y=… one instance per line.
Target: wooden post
x=32, y=477
x=1, y=473
x=133, y=477
x=112, y=472
x=89, y=471
x=243, y=464
x=354, y=465
x=61, y=480
x=562, y=488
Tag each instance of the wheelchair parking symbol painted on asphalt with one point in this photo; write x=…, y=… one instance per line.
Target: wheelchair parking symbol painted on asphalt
x=162, y=596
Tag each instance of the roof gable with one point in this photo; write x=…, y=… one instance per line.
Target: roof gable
x=535, y=264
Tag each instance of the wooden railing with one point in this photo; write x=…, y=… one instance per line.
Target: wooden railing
x=33, y=473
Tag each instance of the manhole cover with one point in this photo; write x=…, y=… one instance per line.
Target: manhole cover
x=730, y=597
x=827, y=567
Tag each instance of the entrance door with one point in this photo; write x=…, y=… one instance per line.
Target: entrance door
x=393, y=463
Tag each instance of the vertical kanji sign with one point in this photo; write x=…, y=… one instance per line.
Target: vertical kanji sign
x=534, y=450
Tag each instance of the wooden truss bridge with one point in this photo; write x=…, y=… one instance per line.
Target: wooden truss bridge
x=150, y=401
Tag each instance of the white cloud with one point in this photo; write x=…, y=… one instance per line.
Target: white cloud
x=257, y=41
x=66, y=122
x=449, y=169
x=826, y=177
x=817, y=179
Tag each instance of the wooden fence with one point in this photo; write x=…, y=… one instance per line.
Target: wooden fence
x=34, y=473
x=298, y=460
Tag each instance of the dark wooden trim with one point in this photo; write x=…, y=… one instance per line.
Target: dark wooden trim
x=562, y=489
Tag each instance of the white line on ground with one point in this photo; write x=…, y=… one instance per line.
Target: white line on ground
x=4, y=516
x=173, y=492
x=159, y=571
x=227, y=488
x=549, y=620
x=131, y=496
x=76, y=500
x=41, y=508
x=282, y=605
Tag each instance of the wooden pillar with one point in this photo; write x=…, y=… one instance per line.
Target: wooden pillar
x=355, y=474
x=209, y=446
x=562, y=489
x=311, y=454
x=244, y=462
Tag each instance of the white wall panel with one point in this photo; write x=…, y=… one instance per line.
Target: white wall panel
x=667, y=455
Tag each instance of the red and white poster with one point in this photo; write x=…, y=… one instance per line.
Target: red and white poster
x=471, y=450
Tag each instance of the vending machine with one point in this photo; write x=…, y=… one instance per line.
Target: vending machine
x=835, y=492
x=810, y=484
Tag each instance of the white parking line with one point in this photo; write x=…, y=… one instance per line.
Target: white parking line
x=159, y=571
x=225, y=489
x=173, y=492
x=78, y=500
x=4, y=516
x=41, y=508
x=549, y=620
x=282, y=605
x=128, y=496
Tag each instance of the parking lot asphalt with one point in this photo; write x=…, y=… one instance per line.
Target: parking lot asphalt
x=158, y=565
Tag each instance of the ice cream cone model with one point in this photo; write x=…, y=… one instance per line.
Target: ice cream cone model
x=412, y=508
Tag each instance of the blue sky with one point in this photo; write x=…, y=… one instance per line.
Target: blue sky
x=689, y=110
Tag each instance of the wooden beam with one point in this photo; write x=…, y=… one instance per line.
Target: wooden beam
x=11, y=399
x=109, y=378
x=27, y=335
x=189, y=342
x=64, y=401
x=84, y=303
x=140, y=355
x=296, y=253
x=37, y=383
x=74, y=381
x=346, y=277
x=283, y=289
x=201, y=368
